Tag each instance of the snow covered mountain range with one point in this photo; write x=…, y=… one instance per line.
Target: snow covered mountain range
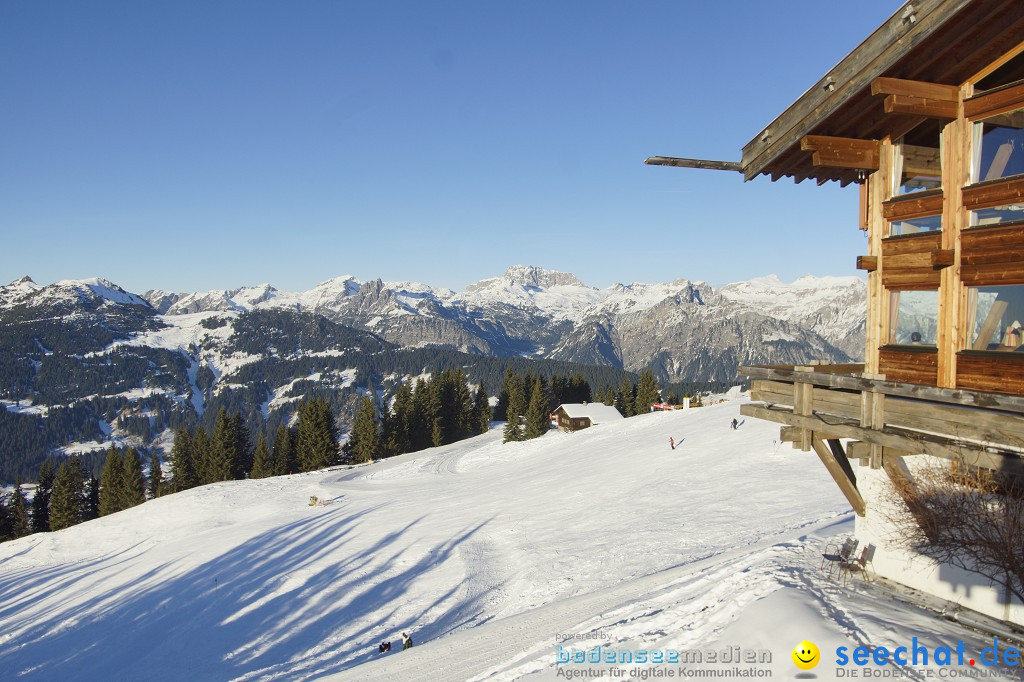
x=684, y=330
x=85, y=364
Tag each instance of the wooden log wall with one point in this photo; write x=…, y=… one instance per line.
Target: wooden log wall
x=910, y=365
x=907, y=262
x=997, y=372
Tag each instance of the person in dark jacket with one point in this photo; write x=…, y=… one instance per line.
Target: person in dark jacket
x=406, y=642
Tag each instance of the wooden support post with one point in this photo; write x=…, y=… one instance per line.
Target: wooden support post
x=847, y=486
x=837, y=451
x=803, y=404
x=872, y=416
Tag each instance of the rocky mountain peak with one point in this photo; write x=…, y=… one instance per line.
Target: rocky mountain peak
x=533, y=276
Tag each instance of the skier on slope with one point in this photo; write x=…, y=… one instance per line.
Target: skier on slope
x=735, y=424
x=672, y=442
x=406, y=642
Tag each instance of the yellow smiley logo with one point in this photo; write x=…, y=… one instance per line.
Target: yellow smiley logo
x=806, y=655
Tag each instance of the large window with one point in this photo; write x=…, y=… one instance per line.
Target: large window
x=996, y=318
x=998, y=146
x=915, y=225
x=918, y=159
x=914, y=317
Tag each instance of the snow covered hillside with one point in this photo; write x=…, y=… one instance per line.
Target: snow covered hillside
x=484, y=552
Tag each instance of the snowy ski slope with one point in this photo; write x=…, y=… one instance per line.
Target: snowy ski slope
x=485, y=552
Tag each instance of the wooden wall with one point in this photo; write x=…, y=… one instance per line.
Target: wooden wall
x=908, y=261
x=997, y=372
x=912, y=365
x=992, y=256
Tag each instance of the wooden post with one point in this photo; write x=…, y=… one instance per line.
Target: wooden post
x=803, y=404
x=872, y=416
x=847, y=486
x=878, y=190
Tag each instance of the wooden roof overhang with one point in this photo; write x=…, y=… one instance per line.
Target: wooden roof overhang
x=908, y=70
x=938, y=42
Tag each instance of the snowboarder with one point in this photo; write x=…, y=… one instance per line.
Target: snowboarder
x=384, y=647
x=735, y=424
x=406, y=642
x=672, y=442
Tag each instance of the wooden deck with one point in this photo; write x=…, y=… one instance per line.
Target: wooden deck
x=884, y=421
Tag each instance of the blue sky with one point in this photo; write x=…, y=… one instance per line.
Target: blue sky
x=198, y=145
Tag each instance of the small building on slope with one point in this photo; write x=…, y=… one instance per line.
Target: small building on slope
x=576, y=416
x=926, y=117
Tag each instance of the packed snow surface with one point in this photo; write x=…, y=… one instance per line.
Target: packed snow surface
x=490, y=555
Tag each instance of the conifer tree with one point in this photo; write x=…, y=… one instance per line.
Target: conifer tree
x=241, y=460
x=111, y=492
x=421, y=422
x=284, y=452
x=364, y=437
x=223, y=447
x=203, y=455
x=435, y=416
x=6, y=521
x=317, y=435
x=537, y=415
x=133, y=485
x=17, y=510
x=482, y=410
x=68, y=497
x=183, y=460
x=516, y=407
x=624, y=397
x=647, y=392
x=399, y=437
x=41, y=499
x=92, y=499
x=261, y=465
x=155, y=483
x=464, y=399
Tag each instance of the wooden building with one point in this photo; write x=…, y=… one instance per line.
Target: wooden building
x=576, y=416
x=926, y=116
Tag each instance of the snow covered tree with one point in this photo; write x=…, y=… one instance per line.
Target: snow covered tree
x=482, y=410
x=155, y=483
x=537, y=415
x=68, y=497
x=41, y=499
x=317, y=435
x=111, y=494
x=133, y=485
x=261, y=464
x=647, y=392
x=364, y=438
x=183, y=460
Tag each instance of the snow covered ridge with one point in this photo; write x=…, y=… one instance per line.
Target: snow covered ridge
x=244, y=580
x=684, y=330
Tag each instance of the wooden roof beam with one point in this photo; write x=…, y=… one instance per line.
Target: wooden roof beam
x=920, y=106
x=693, y=163
x=905, y=88
x=842, y=152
